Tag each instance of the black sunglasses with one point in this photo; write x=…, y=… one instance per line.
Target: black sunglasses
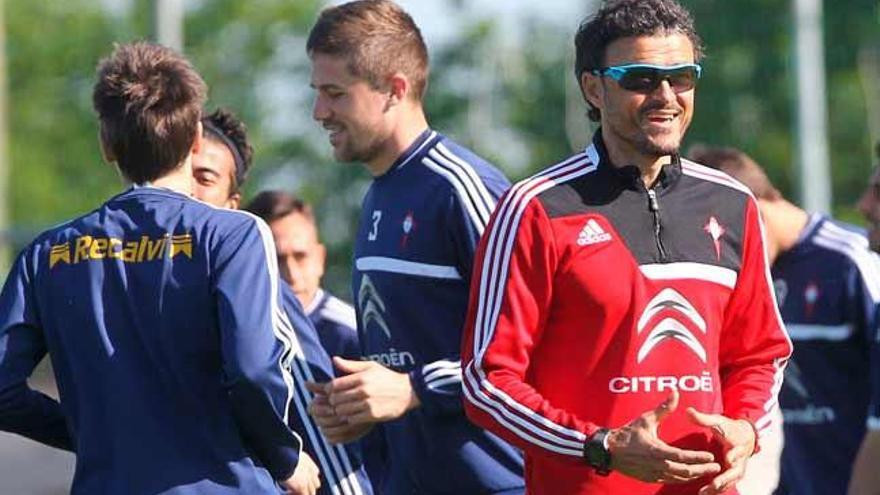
x=645, y=78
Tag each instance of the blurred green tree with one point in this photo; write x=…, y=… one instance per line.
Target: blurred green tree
x=515, y=103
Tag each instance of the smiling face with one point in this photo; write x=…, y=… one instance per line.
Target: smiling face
x=214, y=175
x=350, y=109
x=639, y=128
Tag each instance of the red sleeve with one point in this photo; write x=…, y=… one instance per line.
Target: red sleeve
x=510, y=298
x=754, y=345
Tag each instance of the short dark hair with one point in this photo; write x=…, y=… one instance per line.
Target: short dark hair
x=738, y=165
x=272, y=205
x=224, y=127
x=377, y=37
x=148, y=99
x=617, y=19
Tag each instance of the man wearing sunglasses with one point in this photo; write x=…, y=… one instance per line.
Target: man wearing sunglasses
x=622, y=328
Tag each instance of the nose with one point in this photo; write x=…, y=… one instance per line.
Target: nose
x=289, y=270
x=321, y=110
x=664, y=91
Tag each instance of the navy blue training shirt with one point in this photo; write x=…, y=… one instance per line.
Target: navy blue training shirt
x=828, y=287
x=169, y=344
x=414, y=251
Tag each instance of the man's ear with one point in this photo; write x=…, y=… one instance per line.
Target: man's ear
x=399, y=88
x=592, y=89
x=233, y=201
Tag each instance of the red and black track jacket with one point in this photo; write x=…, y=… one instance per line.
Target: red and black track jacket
x=594, y=296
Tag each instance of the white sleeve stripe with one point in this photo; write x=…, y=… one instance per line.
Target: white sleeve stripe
x=513, y=196
x=499, y=247
x=286, y=338
x=765, y=421
x=778, y=363
x=433, y=371
x=518, y=432
x=834, y=231
x=866, y=266
x=468, y=169
x=855, y=247
x=332, y=459
x=478, y=212
x=301, y=401
x=441, y=373
x=517, y=424
x=440, y=364
x=494, y=397
x=436, y=384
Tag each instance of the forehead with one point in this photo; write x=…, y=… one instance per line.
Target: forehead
x=330, y=70
x=664, y=49
x=294, y=227
x=214, y=157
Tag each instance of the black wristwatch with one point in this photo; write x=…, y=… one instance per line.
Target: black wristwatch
x=596, y=452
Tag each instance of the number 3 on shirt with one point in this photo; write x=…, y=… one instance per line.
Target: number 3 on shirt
x=374, y=232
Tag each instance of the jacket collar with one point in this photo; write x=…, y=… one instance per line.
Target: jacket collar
x=629, y=176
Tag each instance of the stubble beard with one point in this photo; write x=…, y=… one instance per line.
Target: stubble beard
x=648, y=147
x=663, y=143
x=358, y=151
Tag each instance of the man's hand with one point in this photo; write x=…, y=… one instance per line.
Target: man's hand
x=369, y=392
x=738, y=437
x=638, y=452
x=306, y=477
x=334, y=428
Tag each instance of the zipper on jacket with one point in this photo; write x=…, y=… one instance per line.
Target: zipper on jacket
x=654, y=206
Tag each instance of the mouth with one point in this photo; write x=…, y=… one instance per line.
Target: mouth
x=661, y=117
x=335, y=133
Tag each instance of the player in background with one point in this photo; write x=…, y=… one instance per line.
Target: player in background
x=827, y=284
x=220, y=169
x=301, y=258
x=866, y=477
x=622, y=327
x=152, y=399
x=426, y=207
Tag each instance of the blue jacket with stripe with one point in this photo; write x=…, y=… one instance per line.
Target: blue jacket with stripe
x=828, y=290
x=162, y=316
x=414, y=251
x=335, y=323
x=342, y=466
